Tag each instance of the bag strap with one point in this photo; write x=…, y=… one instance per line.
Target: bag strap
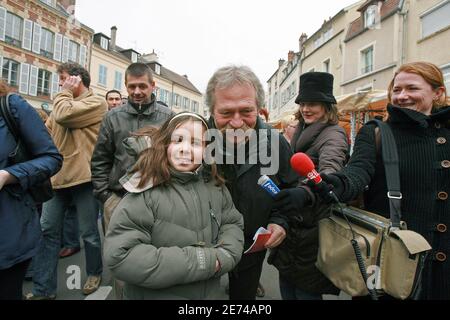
x=391, y=162
x=9, y=119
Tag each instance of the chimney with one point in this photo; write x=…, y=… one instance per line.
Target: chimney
x=291, y=56
x=302, y=41
x=68, y=5
x=112, y=44
x=280, y=62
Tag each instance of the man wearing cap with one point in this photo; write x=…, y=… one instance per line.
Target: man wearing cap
x=325, y=142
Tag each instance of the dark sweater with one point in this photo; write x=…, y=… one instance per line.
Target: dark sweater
x=423, y=144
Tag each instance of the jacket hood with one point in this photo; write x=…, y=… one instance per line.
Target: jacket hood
x=136, y=144
x=130, y=181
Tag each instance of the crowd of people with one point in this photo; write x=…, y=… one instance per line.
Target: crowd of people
x=174, y=221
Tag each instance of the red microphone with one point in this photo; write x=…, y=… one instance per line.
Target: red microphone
x=303, y=165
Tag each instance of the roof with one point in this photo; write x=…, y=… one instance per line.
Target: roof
x=357, y=26
x=102, y=34
x=176, y=78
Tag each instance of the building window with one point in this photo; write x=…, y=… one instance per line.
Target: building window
x=326, y=66
x=102, y=75
x=369, y=16
x=134, y=57
x=73, y=51
x=118, y=81
x=44, y=79
x=51, y=3
x=318, y=42
x=446, y=73
x=435, y=19
x=13, y=29
x=157, y=69
x=104, y=43
x=47, y=40
x=195, y=107
x=367, y=60
x=10, y=72
x=176, y=100
x=186, y=103
x=327, y=35
x=162, y=95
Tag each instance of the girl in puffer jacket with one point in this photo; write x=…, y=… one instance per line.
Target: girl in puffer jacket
x=176, y=231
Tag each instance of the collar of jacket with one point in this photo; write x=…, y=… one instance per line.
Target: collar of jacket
x=186, y=177
x=306, y=135
x=130, y=181
x=146, y=108
x=408, y=117
x=84, y=95
x=134, y=145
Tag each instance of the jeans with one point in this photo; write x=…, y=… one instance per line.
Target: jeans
x=71, y=232
x=46, y=260
x=291, y=292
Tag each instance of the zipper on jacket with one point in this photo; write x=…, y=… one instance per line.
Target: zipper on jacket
x=215, y=235
x=197, y=209
x=139, y=115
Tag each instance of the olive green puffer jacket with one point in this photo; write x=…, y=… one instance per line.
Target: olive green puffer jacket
x=164, y=241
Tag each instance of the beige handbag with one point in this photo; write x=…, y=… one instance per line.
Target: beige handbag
x=364, y=253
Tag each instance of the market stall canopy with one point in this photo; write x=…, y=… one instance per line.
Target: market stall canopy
x=285, y=117
x=363, y=101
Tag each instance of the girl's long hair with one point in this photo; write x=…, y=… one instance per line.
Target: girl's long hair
x=153, y=163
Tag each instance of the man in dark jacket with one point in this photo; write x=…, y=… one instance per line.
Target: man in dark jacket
x=234, y=96
x=110, y=161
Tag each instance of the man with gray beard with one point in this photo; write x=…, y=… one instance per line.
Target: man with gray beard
x=234, y=96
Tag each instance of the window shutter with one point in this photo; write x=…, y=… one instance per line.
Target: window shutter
x=37, y=38
x=55, y=85
x=27, y=34
x=2, y=23
x=34, y=80
x=83, y=50
x=58, y=47
x=65, y=49
x=24, y=77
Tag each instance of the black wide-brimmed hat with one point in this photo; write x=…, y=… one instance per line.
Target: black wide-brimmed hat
x=316, y=87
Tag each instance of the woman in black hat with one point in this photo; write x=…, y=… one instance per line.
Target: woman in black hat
x=325, y=142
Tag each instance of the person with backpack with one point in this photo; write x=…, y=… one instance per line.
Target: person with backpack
x=20, y=231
